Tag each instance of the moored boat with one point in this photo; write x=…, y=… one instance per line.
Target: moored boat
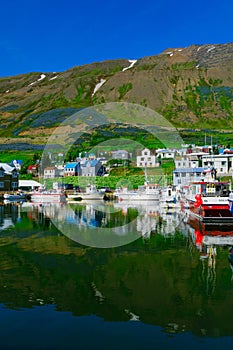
x=147, y=192
x=47, y=196
x=14, y=196
x=170, y=198
x=90, y=193
x=209, y=200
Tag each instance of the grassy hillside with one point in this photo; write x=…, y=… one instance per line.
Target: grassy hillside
x=191, y=87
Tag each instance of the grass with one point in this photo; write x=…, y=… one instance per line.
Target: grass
x=7, y=157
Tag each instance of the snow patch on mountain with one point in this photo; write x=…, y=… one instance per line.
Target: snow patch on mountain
x=98, y=86
x=132, y=63
x=42, y=76
x=53, y=77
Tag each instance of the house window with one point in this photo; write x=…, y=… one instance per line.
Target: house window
x=14, y=174
x=1, y=173
x=223, y=163
x=1, y=184
x=14, y=184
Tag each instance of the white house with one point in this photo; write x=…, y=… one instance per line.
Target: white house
x=51, y=172
x=187, y=161
x=166, y=153
x=146, y=159
x=221, y=162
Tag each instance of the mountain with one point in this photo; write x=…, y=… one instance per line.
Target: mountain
x=192, y=87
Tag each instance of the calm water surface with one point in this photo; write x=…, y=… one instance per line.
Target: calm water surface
x=170, y=286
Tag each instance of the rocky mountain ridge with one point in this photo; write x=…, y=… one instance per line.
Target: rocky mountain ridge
x=192, y=87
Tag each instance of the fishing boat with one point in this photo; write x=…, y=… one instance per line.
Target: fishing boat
x=147, y=192
x=209, y=200
x=48, y=196
x=170, y=198
x=91, y=193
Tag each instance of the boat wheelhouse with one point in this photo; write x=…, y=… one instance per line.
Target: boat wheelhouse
x=209, y=200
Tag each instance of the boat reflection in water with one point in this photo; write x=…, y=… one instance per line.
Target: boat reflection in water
x=113, y=224
x=169, y=280
x=207, y=238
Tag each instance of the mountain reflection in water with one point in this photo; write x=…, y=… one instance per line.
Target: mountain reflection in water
x=174, y=273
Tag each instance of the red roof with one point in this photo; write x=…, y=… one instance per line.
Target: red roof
x=32, y=167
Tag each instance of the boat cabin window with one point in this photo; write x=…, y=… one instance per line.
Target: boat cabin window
x=219, y=189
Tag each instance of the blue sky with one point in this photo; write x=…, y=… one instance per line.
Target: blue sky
x=55, y=35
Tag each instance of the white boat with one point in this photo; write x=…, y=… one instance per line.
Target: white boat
x=46, y=196
x=91, y=193
x=170, y=198
x=147, y=192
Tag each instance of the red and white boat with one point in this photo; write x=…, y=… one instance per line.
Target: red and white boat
x=209, y=200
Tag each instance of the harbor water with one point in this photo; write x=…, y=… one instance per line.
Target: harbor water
x=163, y=280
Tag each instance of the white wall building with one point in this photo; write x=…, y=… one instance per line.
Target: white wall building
x=146, y=159
x=221, y=162
x=51, y=172
x=166, y=153
x=187, y=161
x=183, y=176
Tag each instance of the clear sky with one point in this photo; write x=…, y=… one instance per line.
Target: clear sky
x=55, y=35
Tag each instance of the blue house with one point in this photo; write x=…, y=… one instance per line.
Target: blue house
x=72, y=169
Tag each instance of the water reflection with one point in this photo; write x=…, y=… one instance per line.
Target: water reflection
x=176, y=275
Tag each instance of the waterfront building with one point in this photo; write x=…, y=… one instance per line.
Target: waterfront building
x=183, y=176
x=221, y=162
x=9, y=177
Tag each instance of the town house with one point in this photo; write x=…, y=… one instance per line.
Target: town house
x=8, y=178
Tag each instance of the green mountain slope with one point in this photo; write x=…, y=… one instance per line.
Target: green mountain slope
x=192, y=87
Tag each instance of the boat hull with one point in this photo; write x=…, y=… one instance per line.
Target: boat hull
x=14, y=197
x=48, y=198
x=84, y=197
x=211, y=212
x=136, y=197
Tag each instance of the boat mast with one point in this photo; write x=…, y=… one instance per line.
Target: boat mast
x=146, y=177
